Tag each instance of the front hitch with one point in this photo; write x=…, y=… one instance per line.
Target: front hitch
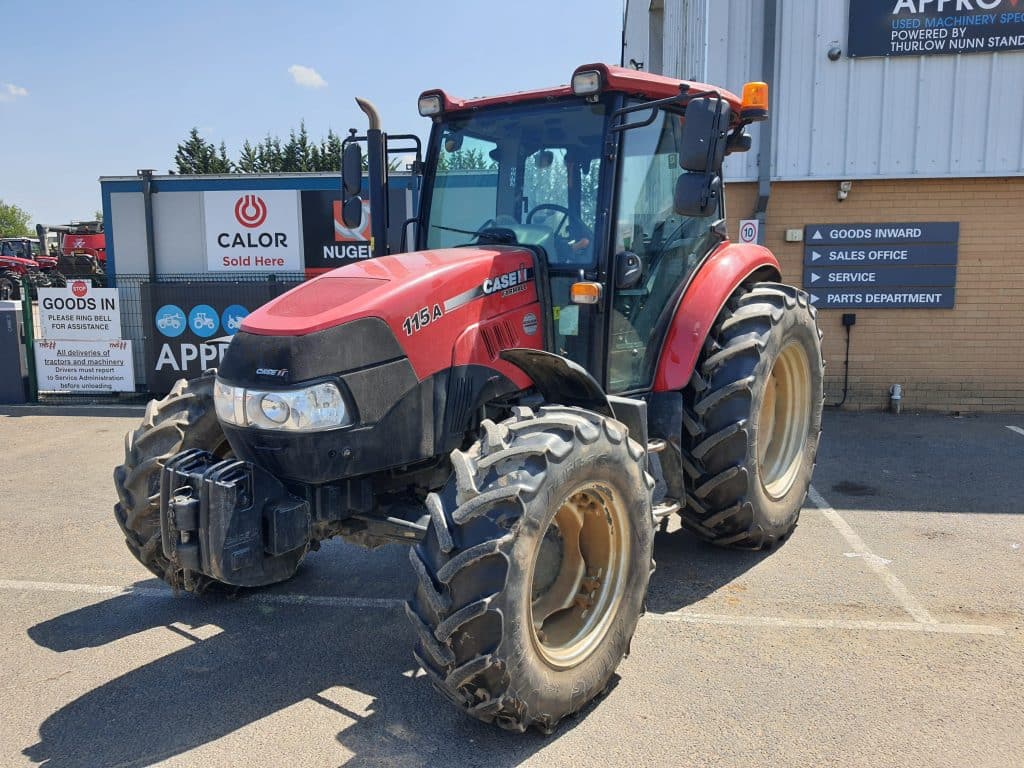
x=230, y=520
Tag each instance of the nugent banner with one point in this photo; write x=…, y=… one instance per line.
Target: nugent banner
x=252, y=231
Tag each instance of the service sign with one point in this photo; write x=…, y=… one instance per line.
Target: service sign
x=188, y=325
x=79, y=311
x=934, y=27
x=64, y=365
x=252, y=231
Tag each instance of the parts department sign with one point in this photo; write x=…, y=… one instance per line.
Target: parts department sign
x=934, y=27
x=908, y=265
x=252, y=231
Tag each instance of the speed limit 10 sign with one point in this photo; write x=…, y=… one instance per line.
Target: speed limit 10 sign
x=749, y=230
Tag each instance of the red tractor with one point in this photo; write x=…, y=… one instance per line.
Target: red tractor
x=19, y=258
x=574, y=353
x=83, y=249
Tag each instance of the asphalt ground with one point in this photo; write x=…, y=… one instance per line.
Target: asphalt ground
x=889, y=630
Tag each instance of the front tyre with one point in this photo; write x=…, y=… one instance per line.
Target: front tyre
x=533, y=573
x=753, y=418
x=184, y=419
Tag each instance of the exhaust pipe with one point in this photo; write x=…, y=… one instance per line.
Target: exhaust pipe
x=377, y=173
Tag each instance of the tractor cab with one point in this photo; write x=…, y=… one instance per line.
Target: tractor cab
x=613, y=183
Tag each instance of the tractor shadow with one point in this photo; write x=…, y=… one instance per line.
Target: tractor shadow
x=348, y=667
x=689, y=570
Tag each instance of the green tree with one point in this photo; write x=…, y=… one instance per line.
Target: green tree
x=13, y=221
x=197, y=155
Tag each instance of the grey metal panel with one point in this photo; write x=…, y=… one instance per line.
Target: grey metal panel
x=127, y=210
x=179, y=233
x=870, y=117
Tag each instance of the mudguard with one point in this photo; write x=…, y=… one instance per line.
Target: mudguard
x=560, y=380
x=725, y=269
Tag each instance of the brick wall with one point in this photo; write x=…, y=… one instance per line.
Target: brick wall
x=969, y=358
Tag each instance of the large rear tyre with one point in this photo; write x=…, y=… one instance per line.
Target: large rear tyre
x=184, y=419
x=753, y=418
x=534, y=569
x=10, y=285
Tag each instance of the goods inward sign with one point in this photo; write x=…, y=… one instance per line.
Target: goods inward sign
x=882, y=266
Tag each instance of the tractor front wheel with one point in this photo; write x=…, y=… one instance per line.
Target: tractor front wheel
x=753, y=418
x=184, y=419
x=533, y=573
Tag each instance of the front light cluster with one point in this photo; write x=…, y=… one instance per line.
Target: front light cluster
x=311, y=409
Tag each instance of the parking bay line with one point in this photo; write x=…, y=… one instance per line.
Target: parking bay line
x=873, y=561
x=1018, y=430
x=684, y=616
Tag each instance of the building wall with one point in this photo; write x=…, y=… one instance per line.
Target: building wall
x=905, y=116
x=969, y=358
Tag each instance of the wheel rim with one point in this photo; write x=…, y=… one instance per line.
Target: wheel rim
x=784, y=420
x=578, y=575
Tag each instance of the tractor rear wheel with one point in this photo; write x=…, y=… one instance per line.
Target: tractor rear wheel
x=184, y=419
x=534, y=569
x=10, y=285
x=753, y=418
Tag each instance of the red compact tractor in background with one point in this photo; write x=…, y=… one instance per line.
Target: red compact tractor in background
x=573, y=353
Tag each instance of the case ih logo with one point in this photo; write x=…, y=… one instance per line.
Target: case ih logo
x=79, y=288
x=251, y=211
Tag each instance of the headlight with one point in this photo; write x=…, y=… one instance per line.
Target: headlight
x=311, y=409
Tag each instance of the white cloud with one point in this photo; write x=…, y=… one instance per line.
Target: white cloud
x=10, y=91
x=307, y=77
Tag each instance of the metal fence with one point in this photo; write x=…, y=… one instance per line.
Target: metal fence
x=134, y=325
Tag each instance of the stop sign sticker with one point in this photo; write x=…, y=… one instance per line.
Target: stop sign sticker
x=79, y=288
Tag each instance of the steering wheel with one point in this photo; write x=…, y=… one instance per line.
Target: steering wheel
x=550, y=207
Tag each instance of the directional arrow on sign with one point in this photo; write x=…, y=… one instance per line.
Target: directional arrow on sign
x=814, y=299
x=816, y=235
x=815, y=277
x=815, y=255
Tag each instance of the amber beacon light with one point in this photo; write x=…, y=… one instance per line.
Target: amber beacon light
x=755, y=102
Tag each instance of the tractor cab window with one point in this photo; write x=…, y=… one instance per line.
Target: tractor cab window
x=670, y=247
x=532, y=169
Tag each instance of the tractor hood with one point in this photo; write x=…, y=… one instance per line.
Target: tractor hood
x=17, y=261
x=414, y=343
x=436, y=308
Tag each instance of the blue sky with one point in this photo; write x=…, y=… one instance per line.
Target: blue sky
x=106, y=88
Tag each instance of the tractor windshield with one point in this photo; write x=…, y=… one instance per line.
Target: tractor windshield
x=533, y=170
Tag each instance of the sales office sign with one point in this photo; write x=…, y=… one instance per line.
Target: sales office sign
x=255, y=231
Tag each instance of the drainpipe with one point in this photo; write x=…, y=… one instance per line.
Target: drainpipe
x=764, y=146
x=147, y=200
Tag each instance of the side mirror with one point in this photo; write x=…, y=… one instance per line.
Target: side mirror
x=352, y=212
x=628, y=269
x=352, y=170
x=697, y=194
x=704, y=129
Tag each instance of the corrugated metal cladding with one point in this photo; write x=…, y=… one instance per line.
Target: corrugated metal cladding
x=907, y=116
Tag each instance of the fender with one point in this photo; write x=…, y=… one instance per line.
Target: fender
x=725, y=269
x=560, y=380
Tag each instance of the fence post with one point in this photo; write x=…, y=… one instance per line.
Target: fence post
x=30, y=341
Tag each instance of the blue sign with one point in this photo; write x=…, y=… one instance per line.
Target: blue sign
x=170, y=320
x=872, y=276
x=890, y=298
x=204, y=321
x=934, y=27
x=902, y=233
x=942, y=254
x=232, y=318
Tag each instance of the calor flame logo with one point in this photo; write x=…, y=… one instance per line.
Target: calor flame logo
x=251, y=211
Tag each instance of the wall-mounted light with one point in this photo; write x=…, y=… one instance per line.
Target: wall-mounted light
x=834, y=51
x=844, y=190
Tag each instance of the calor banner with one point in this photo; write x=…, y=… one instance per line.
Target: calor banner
x=254, y=231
